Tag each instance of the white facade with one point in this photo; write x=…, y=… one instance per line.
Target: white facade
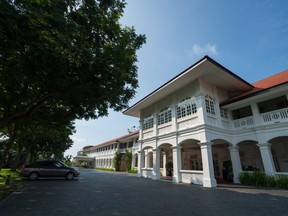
x=104, y=153
x=212, y=125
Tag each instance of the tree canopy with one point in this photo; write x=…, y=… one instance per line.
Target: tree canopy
x=71, y=53
x=70, y=58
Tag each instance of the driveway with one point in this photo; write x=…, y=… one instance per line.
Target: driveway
x=104, y=193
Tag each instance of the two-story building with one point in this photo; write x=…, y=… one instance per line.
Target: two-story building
x=211, y=125
x=101, y=155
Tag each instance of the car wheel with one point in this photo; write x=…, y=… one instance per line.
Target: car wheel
x=33, y=176
x=70, y=176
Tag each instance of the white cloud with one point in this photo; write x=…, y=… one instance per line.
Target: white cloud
x=199, y=51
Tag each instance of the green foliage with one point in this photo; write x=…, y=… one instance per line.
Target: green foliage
x=135, y=171
x=71, y=54
x=105, y=169
x=61, y=61
x=117, y=160
x=244, y=178
x=169, y=168
x=68, y=160
x=15, y=183
x=258, y=178
x=282, y=181
x=128, y=159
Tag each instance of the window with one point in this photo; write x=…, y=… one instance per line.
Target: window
x=242, y=112
x=273, y=104
x=224, y=113
x=148, y=122
x=164, y=116
x=210, y=107
x=130, y=144
x=186, y=107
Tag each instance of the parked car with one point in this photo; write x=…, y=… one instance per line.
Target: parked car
x=48, y=168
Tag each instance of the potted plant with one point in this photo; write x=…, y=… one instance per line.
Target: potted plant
x=169, y=168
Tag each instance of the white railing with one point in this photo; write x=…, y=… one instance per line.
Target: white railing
x=275, y=116
x=247, y=122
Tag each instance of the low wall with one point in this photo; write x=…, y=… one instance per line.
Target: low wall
x=192, y=176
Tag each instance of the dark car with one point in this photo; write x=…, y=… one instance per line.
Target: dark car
x=48, y=169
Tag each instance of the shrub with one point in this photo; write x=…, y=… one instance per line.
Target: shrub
x=133, y=171
x=128, y=159
x=258, y=178
x=245, y=178
x=117, y=160
x=105, y=169
x=282, y=181
x=270, y=181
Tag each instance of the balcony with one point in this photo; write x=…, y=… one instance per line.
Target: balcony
x=274, y=117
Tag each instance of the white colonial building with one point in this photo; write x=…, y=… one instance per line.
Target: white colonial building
x=211, y=125
x=101, y=155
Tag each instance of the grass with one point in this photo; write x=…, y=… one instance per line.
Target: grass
x=105, y=169
x=16, y=181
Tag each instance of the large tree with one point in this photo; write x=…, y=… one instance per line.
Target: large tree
x=70, y=53
x=44, y=133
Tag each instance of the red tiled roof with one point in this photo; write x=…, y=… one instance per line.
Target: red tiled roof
x=271, y=81
x=113, y=140
x=261, y=85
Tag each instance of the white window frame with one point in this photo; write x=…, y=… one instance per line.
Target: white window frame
x=186, y=107
x=164, y=116
x=210, y=105
x=148, y=122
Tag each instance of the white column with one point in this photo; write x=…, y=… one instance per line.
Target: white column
x=218, y=113
x=146, y=165
x=155, y=126
x=176, y=164
x=255, y=113
x=133, y=161
x=207, y=162
x=267, y=159
x=236, y=162
x=201, y=109
x=140, y=156
x=174, y=118
x=164, y=163
x=156, y=164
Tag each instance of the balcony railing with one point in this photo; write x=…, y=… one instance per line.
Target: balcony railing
x=247, y=122
x=275, y=116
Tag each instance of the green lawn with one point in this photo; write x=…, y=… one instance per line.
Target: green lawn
x=15, y=182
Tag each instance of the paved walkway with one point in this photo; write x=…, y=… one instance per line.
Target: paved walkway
x=254, y=190
x=101, y=193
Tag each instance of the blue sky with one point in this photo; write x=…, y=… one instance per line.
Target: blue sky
x=250, y=38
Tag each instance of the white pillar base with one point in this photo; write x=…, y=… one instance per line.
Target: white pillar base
x=209, y=183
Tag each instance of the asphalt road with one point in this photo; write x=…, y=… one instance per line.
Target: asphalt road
x=101, y=193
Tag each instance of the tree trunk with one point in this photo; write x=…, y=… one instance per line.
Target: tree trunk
x=17, y=160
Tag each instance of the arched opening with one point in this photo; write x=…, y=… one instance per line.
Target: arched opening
x=191, y=158
x=279, y=150
x=222, y=163
x=250, y=156
x=135, y=161
x=166, y=161
x=150, y=159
